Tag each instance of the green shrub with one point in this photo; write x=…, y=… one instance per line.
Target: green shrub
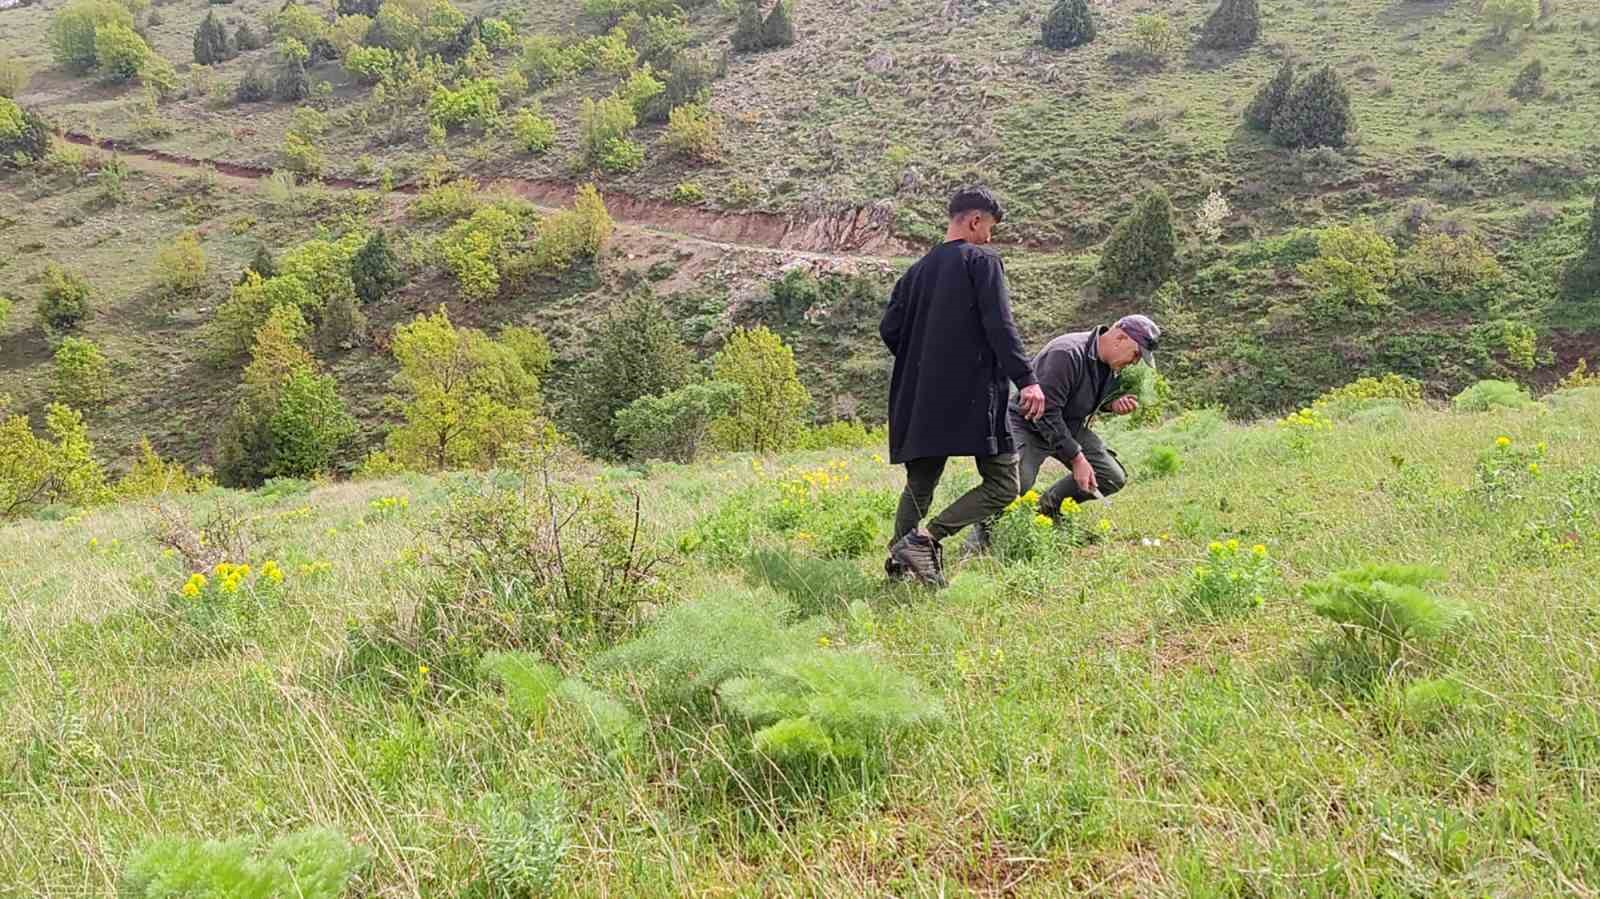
x=475, y=103
x=119, y=52
x=1270, y=98
x=815, y=586
x=1142, y=252
x=375, y=270
x=1316, y=113
x=604, y=127
x=672, y=426
x=246, y=39
x=1355, y=264
x=1163, y=460
x=1490, y=394
x=1234, y=25
x=315, y=863
x=1231, y=581
x=1582, y=277
x=778, y=29
x=80, y=374
x=1384, y=606
x=1068, y=24
x=610, y=725
x=211, y=44
x=1344, y=401
x=818, y=709
x=66, y=302
x=523, y=841
x=300, y=22
x=309, y=426
x=5, y=312
x=1450, y=264
x=464, y=398
x=1505, y=16
x=688, y=193
x=24, y=135
x=695, y=132
x=640, y=90
x=476, y=250
x=14, y=78
x=575, y=234
x=770, y=414
x=180, y=267
x=232, y=331
x=1530, y=81
x=747, y=31
x=72, y=30
x=688, y=82
x=369, y=65
x=36, y=472
x=535, y=131
x=636, y=353
x=151, y=476
x=622, y=157
x=842, y=435
x=1153, y=39
x=545, y=61
x=1506, y=469
x=254, y=86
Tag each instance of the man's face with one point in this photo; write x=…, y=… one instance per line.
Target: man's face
x=978, y=228
x=1122, y=351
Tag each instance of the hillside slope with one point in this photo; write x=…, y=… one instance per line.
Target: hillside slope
x=1080, y=732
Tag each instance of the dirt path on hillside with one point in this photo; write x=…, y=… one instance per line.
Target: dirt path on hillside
x=862, y=233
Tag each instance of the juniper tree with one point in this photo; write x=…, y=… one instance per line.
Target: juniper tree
x=1583, y=274
x=210, y=41
x=748, y=31
x=1142, y=251
x=1069, y=24
x=778, y=30
x=1316, y=113
x=1234, y=25
x=245, y=39
x=375, y=270
x=637, y=353
x=1270, y=98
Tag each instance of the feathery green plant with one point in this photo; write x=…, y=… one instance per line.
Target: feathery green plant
x=1385, y=605
x=523, y=841
x=315, y=863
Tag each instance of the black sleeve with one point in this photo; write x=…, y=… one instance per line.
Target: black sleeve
x=994, y=307
x=1058, y=371
x=894, y=316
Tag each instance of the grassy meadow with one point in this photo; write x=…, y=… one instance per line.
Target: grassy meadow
x=1079, y=723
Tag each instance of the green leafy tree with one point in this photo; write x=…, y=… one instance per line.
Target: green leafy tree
x=535, y=131
x=1263, y=109
x=300, y=22
x=771, y=413
x=636, y=353
x=231, y=333
x=309, y=426
x=1068, y=24
x=1582, y=278
x=24, y=134
x=119, y=52
x=573, y=234
x=1153, y=38
x=688, y=82
x=1506, y=16
x=1234, y=25
x=38, y=471
x=1142, y=252
x=604, y=125
x=211, y=44
x=465, y=398
x=695, y=131
x=80, y=374
x=778, y=29
x=1354, y=264
x=180, y=267
x=342, y=324
x=1316, y=114
x=673, y=426
x=477, y=249
x=72, y=30
x=66, y=299
x=641, y=89
x=375, y=270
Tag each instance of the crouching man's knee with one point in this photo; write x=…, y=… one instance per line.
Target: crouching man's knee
x=1111, y=480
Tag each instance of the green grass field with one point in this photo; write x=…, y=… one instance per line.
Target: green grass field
x=1091, y=737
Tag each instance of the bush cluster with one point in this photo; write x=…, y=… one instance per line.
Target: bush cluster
x=24, y=134
x=773, y=405
x=1309, y=112
x=636, y=353
x=1142, y=252
x=1068, y=24
x=1234, y=25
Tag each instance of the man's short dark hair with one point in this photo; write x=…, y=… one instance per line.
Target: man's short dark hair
x=977, y=198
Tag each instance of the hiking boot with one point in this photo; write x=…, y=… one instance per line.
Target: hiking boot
x=893, y=570
x=977, y=543
x=921, y=557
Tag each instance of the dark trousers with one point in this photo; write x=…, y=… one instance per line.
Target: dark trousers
x=988, y=499
x=1109, y=474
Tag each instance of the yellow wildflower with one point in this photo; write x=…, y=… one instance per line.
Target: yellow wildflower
x=271, y=571
x=878, y=458
x=1533, y=469
x=94, y=542
x=1032, y=496
x=1042, y=521
x=422, y=669
x=823, y=641
x=190, y=590
x=1104, y=525
x=1259, y=550
x=1540, y=447
x=1214, y=547
x=1502, y=442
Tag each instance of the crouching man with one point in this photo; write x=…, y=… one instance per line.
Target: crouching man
x=949, y=327
x=1078, y=373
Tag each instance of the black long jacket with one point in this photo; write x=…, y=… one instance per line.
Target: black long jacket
x=955, y=345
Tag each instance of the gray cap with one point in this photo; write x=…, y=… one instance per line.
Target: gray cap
x=1144, y=332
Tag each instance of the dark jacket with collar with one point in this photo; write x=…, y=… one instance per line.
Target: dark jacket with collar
x=1076, y=385
x=955, y=345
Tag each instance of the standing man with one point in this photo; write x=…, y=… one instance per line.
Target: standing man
x=949, y=328
x=1078, y=373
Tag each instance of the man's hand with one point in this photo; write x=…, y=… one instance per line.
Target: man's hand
x=1123, y=405
x=1083, y=474
x=1031, y=402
